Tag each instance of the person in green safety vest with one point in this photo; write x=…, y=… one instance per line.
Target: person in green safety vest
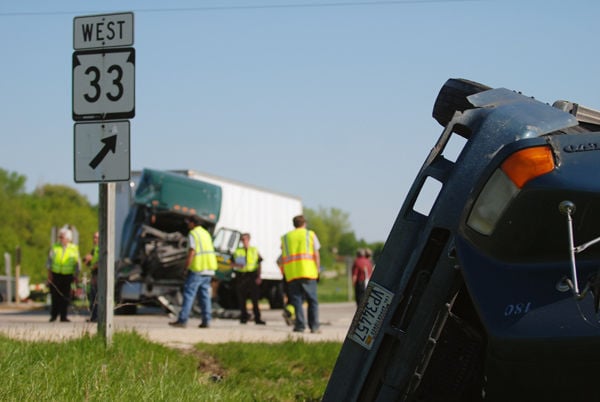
x=246, y=263
x=201, y=265
x=63, y=267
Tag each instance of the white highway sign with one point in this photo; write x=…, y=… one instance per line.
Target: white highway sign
x=104, y=84
x=101, y=31
x=102, y=152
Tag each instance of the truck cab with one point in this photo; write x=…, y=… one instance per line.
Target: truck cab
x=494, y=293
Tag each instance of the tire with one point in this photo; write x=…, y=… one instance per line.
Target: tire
x=126, y=309
x=275, y=296
x=123, y=307
x=226, y=295
x=453, y=97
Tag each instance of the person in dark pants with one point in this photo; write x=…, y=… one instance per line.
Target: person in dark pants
x=63, y=267
x=91, y=260
x=362, y=269
x=247, y=265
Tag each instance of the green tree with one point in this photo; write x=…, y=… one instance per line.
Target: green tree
x=27, y=220
x=53, y=206
x=335, y=233
x=348, y=244
x=330, y=225
x=13, y=215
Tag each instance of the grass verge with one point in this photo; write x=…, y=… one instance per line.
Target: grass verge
x=136, y=369
x=333, y=289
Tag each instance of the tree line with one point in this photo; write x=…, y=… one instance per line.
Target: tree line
x=29, y=218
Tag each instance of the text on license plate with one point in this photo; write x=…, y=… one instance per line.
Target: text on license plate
x=367, y=322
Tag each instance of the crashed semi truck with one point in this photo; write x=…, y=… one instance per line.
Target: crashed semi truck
x=493, y=294
x=151, y=212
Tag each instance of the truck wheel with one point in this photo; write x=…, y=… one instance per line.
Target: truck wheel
x=226, y=295
x=453, y=97
x=276, y=296
x=125, y=308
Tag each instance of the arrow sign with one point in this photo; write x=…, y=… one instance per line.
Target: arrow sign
x=110, y=144
x=102, y=151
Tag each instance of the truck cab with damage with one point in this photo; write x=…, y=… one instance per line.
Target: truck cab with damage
x=151, y=265
x=493, y=295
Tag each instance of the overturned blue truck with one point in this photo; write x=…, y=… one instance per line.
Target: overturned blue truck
x=493, y=295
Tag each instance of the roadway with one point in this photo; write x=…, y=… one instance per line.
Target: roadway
x=31, y=322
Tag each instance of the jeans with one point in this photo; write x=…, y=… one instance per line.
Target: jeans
x=299, y=290
x=196, y=284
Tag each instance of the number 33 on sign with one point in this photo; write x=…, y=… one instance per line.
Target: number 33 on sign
x=104, y=84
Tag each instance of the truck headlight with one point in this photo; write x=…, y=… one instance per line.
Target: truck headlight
x=505, y=183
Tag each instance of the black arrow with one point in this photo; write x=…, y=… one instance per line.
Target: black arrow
x=110, y=144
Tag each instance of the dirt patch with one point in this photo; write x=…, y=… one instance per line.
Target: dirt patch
x=209, y=367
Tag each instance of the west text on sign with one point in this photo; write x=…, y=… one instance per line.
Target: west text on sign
x=100, y=31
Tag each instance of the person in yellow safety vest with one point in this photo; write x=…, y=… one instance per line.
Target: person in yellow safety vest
x=246, y=262
x=201, y=264
x=300, y=259
x=91, y=260
x=63, y=267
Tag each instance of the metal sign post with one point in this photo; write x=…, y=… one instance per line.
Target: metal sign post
x=106, y=277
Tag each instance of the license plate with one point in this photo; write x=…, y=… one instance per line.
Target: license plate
x=367, y=323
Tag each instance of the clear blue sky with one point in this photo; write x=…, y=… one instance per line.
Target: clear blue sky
x=327, y=100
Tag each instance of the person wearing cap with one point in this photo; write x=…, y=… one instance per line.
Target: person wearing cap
x=201, y=265
x=63, y=267
x=300, y=259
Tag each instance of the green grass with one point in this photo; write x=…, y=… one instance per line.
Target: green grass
x=333, y=289
x=134, y=369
